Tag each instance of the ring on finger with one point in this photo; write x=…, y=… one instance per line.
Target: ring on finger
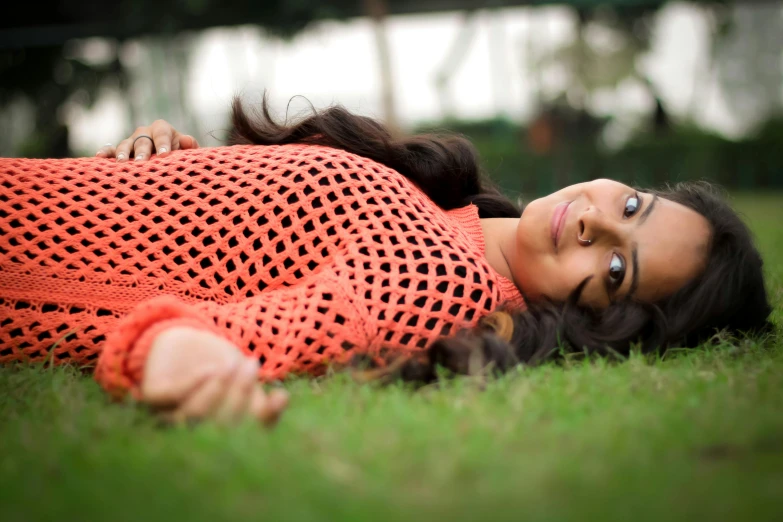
x=142, y=136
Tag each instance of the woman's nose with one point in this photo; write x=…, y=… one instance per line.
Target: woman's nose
x=595, y=226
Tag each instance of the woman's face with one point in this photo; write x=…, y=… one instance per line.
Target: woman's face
x=628, y=243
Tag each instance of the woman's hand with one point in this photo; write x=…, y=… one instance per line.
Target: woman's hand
x=194, y=374
x=160, y=137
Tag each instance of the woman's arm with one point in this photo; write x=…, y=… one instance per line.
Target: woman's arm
x=160, y=137
x=298, y=329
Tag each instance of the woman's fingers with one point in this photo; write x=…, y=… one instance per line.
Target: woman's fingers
x=123, y=150
x=206, y=399
x=133, y=148
x=268, y=408
x=162, y=135
x=230, y=396
x=139, y=146
x=107, y=151
x=158, y=138
x=237, y=399
x=143, y=146
x=184, y=141
x=168, y=393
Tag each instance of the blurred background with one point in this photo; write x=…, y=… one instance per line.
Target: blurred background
x=551, y=93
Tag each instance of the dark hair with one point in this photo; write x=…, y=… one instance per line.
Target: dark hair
x=427, y=160
x=728, y=295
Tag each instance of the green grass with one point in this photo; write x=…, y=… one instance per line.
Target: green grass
x=695, y=435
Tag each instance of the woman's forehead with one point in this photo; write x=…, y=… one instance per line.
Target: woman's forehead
x=672, y=245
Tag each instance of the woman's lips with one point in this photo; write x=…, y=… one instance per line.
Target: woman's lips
x=558, y=221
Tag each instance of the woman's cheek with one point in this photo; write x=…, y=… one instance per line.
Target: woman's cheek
x=578, y=265
x=550, y=278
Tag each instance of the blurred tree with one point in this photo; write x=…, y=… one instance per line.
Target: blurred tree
x=37, y=72
x=747, y=46
x=610, y=37
x=378, y=11
x=49, y=80
x=608, y=41
x=454, y=58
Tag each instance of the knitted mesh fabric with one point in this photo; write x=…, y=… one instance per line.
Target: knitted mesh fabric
x=300, y=255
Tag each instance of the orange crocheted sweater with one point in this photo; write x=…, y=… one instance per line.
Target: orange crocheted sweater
x=300, y=255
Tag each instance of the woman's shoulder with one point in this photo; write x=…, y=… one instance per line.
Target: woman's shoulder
x=317, y=161
x=296, y=151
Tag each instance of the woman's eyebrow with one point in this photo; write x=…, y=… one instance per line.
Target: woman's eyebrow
x=635, y=275
x=635, y=248
x=647, y=211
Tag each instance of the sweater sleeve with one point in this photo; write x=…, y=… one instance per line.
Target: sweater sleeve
x=298, y=329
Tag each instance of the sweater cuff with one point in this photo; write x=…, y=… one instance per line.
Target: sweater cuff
x=121, y=365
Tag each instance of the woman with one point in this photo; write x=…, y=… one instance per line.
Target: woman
x=195, y=275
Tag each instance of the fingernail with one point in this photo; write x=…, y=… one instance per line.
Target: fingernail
x=163, y=150
x=98, y=153
x=120, y=157
x=139, y=157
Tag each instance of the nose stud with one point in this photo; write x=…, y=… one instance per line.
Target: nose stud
x=584, y=242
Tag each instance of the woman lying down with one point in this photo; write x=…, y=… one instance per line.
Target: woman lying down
x=189, y=276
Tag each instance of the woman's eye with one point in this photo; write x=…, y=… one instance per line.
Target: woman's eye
x=631, y=206
x=616, y=271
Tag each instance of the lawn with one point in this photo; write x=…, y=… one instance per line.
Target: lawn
x=695, y=435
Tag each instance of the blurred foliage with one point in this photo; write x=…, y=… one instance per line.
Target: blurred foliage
x=609, y=40
x=49, y=80
x=649, y=160
x=564, y=143
x=561, y=145
x=54, y=21
x=746, y=58
x=35, y=65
